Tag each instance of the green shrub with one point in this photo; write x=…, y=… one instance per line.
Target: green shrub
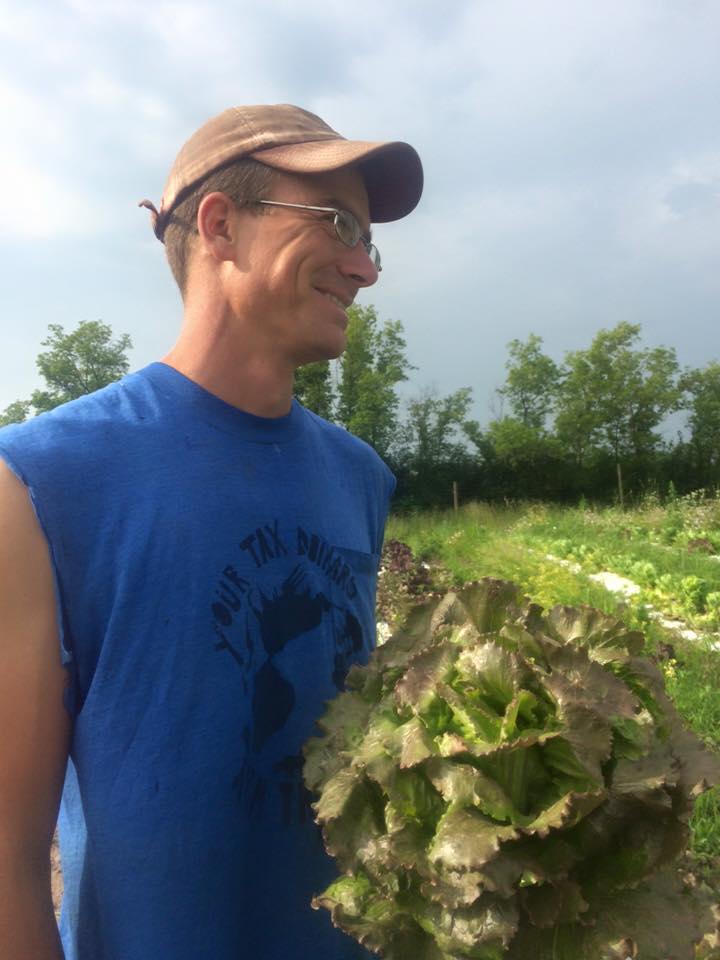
x=693, y=593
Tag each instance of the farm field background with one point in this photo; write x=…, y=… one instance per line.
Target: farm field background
x=656, y=567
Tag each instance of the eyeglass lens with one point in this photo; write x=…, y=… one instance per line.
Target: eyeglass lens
x=350, y=232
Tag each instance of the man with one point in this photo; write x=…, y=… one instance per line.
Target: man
x=187, y=570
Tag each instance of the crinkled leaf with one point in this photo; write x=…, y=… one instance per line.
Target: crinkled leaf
x=471, y=717
x=565, y=812
x=463, y=785
x=633, y=739
x=478, y=932
x=455, y=782
x=516, y=636
x=493, y=672
x=588, y=699
x=605, y=637
x=699, y=767
x=454, y=888
x=413, y=797
x=528, y=862
x=489, y=603
x=656, y=769
x=438, y=717
x=375, y=753
x=452, y=745
x=380, y=923
x=466, y=840
x=343, y=723
x=430, y=667
x=449, y=612
x=661, y=917
x=647, y=683
x=415, y=742
x=576, y=678
x=575, y=760
x=524, y=711
x=360, y=820
x=625, y=840
x=549, y=904
x=519, y=769
x=322, y=761
x=336, y=795
x=345, y=717
x=464, y=636
x=403, y=849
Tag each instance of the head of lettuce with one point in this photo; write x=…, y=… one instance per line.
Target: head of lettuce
x=499, y=784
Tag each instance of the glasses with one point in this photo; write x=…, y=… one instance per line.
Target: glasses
x=347, y=228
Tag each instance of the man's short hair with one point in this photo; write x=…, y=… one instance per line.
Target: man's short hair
x=244, y=181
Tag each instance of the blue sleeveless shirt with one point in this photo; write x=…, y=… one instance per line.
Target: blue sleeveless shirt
x=215, y=577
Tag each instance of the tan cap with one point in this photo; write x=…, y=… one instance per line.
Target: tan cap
x=293, y=140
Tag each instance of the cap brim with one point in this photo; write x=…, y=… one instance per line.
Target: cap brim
x=392, y=171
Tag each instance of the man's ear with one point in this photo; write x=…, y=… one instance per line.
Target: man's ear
x=216, y=224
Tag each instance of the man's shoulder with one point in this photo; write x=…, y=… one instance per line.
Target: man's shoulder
x=346, y=456
x=337, y=436
x=88, y=425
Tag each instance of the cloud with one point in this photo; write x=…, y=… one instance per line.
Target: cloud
x=572, y=165
x=38, y=202
x=38, y=206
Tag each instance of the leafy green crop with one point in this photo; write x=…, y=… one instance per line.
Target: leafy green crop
x=499, y=783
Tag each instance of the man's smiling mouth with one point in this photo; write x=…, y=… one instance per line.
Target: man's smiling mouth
x=335, y=299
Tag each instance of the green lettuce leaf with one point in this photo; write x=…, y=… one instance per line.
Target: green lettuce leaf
x=466, y=840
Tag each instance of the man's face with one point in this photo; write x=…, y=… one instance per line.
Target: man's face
x=294, y=277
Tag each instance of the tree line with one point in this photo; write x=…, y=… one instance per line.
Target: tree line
x=588, y=426
x=592, y=425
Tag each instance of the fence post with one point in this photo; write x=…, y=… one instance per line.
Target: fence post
x=455, y=495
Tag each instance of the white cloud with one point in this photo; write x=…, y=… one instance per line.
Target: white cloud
x=38, y=202
x=38, y=206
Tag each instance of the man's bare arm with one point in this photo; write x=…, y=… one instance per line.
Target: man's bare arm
x=34, y=729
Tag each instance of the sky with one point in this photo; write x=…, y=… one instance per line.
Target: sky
x=571, y=152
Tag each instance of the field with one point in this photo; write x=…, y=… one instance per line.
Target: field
x=657, y=567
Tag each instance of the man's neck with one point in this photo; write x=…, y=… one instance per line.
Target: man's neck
x=243, y=378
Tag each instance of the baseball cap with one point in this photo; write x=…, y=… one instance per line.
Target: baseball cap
x=293, y=140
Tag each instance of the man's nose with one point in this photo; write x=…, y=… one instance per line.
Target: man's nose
x=358, y=267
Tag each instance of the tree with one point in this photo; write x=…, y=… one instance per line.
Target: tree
x=703, y=390
x=314, y=389
x=577, y=417
x=435, y=426
x=75, y=363
x=613, y=396
x=371, y=367
x=17, y=412
x=431, y=450
x=531, y=384
x=516, y=442
x=79, y=362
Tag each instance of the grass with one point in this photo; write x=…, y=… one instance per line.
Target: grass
x=550, y=551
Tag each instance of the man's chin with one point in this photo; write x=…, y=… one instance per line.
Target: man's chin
x=327, y=352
